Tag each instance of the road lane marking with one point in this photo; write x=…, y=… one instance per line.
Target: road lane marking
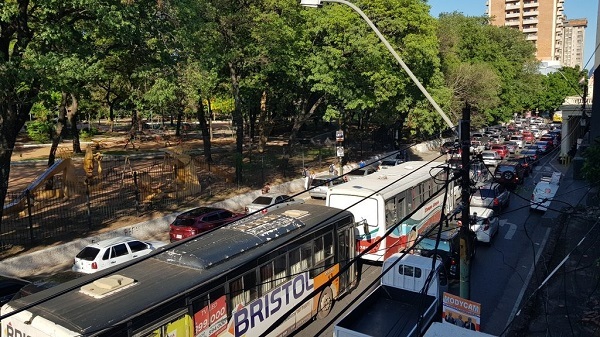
x=511, y=231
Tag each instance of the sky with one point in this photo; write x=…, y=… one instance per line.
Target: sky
x=574, y=9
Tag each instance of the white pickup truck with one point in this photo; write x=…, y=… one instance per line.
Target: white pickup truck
x=394, y=308
x=544, y=192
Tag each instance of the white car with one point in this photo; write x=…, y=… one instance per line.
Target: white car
x=107, y=253
x=271, y=201
x=485, y=223
x=544, y=192
x=490, y=158
x=389, y=163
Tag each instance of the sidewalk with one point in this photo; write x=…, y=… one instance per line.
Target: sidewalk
x=567, y=274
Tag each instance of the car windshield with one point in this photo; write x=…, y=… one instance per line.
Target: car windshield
x=488, y=155
x=262, y=201
x=183, y=222
x=88, y=253
x=502, y=168
x=357, y=173
x=318, y=182
x=485, y=193
x=388, y=162
x=429, y=244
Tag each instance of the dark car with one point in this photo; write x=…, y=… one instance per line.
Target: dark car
x=509, y=173
x=532, y=154
x=198, y=220
x=543, y=147
x=448, y=251
x=550, y=140
x=9, y=286
x=449, y=147
x=524, y=161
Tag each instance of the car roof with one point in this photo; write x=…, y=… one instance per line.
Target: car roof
x=112, y=241
x=483, y=212
x=198, y=211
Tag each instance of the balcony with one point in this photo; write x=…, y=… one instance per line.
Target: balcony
x=531, y=37
x=512, y=23
x=530, y=13
x=530, y=30
x=512, y=15
x=510, y=1
x=531, y=4
x=513, y=6
x=530, y=21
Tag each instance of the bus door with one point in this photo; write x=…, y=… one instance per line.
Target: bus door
x=346, y=253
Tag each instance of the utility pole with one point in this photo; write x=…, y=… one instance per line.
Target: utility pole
x=465, y=258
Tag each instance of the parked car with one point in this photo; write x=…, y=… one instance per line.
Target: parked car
x=484, y=223
x=490, y=158
x=448, y=248
x=544, y=192
x=199, y=220
x=319, y=185
x=491, y=195
x=111, y=252
x=449, y=147
x=360, y=172
x=9, y=286
x=390, y=163
x=509, y=173
x=271, y=201
x=501, y=149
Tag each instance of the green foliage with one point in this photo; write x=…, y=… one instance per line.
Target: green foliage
x=87, y=134
x=591, y=169
x=40, y=130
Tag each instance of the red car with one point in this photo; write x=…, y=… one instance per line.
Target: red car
x=502, y=150
x=528, y=137
x=198, y=220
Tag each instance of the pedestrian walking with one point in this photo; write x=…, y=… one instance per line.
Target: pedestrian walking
x=266, y=188
x=331, y=168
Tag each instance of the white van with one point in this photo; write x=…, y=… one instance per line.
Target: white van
x=544, y=192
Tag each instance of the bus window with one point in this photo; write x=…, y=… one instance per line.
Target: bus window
x=210, y=313
x=390, y=212
x=401, y=208
x=272, y=274
x=323, y=254
x=243, y=290
x=300, y=260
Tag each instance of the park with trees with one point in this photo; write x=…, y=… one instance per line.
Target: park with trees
x=271, y=67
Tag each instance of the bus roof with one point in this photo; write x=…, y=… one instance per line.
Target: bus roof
x=182, y=268
x=391, y=181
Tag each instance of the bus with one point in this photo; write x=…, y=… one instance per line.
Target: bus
x=236, y=280
x=380, y=200
x=557, y=116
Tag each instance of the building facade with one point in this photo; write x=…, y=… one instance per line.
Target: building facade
x=544, y=23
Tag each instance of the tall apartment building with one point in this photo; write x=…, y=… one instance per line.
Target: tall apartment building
x=543, y=22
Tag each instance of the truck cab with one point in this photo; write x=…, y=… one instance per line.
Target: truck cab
x=404, y=304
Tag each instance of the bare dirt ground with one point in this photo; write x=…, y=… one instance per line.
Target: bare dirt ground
x=29, y=161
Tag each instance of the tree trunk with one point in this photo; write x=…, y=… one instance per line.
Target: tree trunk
x=204, y=129
x=72, y=116
x=12, y=119
x=265, y=124
x=238, y=121
x=304, y=115
x=179, y=116
x=210, y=118
x=57, y=135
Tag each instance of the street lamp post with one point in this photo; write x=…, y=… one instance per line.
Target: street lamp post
x=464, y=137
x=319, y=3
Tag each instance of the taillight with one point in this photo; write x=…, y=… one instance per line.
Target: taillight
x=486, y=224
x=264, y=211
x=496, y=202
x=94, y=265
x=452, y=262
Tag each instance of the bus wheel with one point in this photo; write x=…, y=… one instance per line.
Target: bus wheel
x=325, y=303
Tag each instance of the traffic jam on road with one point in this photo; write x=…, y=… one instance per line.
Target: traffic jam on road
x=503, y=159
